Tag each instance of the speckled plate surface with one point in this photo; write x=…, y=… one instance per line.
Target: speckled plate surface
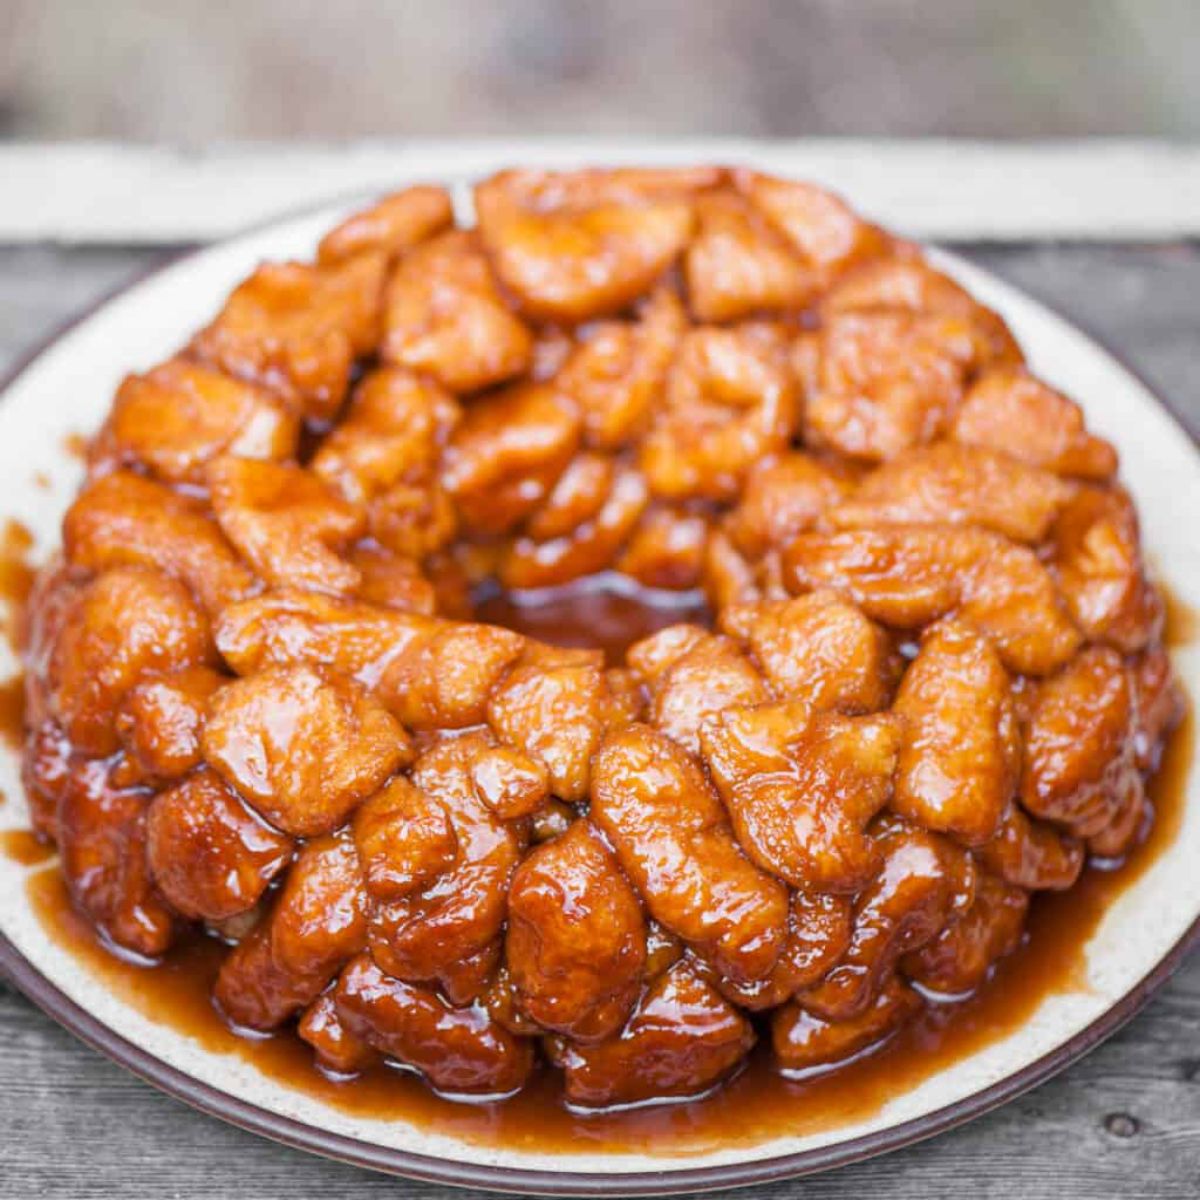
x=67, y=388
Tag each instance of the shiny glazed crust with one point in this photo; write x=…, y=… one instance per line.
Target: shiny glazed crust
x=933, y=683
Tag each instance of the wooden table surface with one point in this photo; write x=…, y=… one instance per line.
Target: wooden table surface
x=1124, y=1122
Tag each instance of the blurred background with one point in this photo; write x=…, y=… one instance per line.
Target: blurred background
x=196, y=71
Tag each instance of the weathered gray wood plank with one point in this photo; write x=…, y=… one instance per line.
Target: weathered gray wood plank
x=1124, y=1122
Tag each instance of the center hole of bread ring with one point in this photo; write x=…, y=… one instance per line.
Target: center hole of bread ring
x=607, y=611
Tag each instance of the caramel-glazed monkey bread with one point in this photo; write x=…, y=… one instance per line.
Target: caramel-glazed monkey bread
x=896, y=664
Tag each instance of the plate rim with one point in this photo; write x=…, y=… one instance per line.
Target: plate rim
x=300, y=1135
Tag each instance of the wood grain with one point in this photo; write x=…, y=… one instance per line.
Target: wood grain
x=1124, y=1122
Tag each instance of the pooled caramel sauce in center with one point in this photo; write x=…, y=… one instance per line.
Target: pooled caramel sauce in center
x=605, y=612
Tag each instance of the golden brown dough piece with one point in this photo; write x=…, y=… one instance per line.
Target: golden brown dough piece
x=889, y=381
x=909, y=575
x=305, y=748
x=818, y=935
x=1080, y=766
x=289, y=628
x=783, y=496
x=819, y=649
x=460, y=1051
x=559, y=544
x=730, y=400
x=925, y=883
x=447, y=318
x=124, y=626
x=1098, y=564
x=161, y=720
x=738, y=265
x=820, y=225
x=209, y=853
x=125, y=520
x=1161, y=705
x=961, y=756
x=444, y=927
x=1012, y=411
x=507, y=453
x=693, y=675
x=958, y=959
x=903, y=282
x=945, y=484
x=682, y=1039
x=801, y=786
x=337, y=1050
x=177, y=418
x=316, y=924
x=672, y=837
x=555, y=716
x=617, y=369
x=296, y=329
x=667, y=548
x=101, y=831
x=287, y=523
x=572, y=246
x=395, y=225
x=576, y=937
x=804, y=1042
x=1032, y=854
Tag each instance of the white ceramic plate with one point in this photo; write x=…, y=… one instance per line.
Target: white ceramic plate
x=67, y=388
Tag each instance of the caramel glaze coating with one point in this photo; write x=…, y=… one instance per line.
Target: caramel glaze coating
x=801, y=786
x=962, y=753
x=459, y=1050
x=926, y=882
x=317, y=922
x=101, y=832
x=683, y=1038
x=672, y=836
x=337, y=1051
x=445, y=926
x=931, y=681
x=804, y=1042
x=576, y=937
x=208, y=851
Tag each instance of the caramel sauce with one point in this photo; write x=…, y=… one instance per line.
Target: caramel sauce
x=17, y=574
x=12, y=712
x=1182, y=623
x=602, y=611
x=24, y=847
